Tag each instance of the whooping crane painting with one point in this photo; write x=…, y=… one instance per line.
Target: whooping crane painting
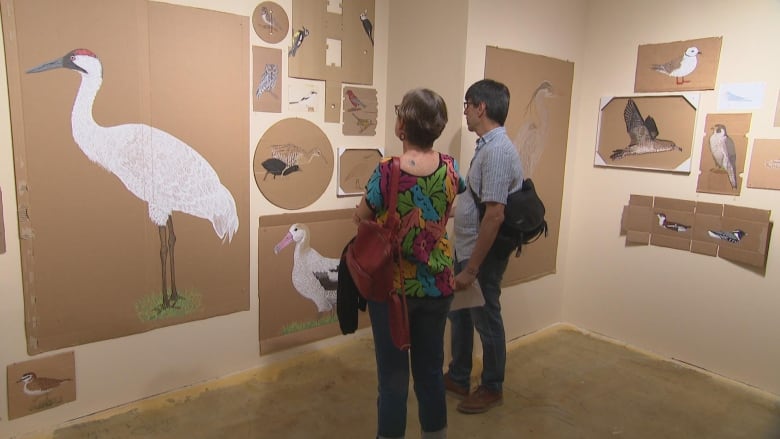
x=115, y=150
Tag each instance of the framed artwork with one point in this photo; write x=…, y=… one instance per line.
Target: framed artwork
x=647, y=132
x=678, y=66
x=270, y=22
x=723, y=153
x=355, y=168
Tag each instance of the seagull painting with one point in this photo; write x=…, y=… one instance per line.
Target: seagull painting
x=733, y=236
x=314, y=276
x=531, y=138
x=680, y=67
x=643, y=134
x=367, y=25
x=724, y=153
x=152, y=164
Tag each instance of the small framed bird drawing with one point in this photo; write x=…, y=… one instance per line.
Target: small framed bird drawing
x=678, y=66
x=360, y=110
x=266, y=79
x=41, y=384
x=647, y=132
x=723, y=153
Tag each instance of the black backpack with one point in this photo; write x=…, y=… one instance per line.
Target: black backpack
x=523, y=222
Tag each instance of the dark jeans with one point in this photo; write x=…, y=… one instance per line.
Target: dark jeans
x=489, y=324
x=427, y=320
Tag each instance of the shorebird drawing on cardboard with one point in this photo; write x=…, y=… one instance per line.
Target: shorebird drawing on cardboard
x=643, y=134
x=36, y=386
x=681, y=66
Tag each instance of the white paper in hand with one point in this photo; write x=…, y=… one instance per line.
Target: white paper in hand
x=469, y=297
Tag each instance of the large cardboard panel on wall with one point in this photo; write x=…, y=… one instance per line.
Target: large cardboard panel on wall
x=538, y=124
x=298, y=255
x=97, y=192
x=738, y=234
x=40, y=384
x=678, y=66
x=646, y=132
x=332, y=47
x=723, y=153
x=765, y=164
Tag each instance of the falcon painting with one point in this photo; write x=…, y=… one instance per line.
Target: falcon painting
x=642, y=133
x=724, y=153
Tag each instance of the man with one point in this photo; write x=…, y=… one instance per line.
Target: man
x=495, y=172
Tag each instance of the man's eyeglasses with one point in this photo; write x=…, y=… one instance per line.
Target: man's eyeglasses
x=466, y=104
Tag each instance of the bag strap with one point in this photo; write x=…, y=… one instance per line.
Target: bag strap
x=394, y=221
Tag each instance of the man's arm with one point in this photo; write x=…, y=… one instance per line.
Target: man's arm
x=488, y=229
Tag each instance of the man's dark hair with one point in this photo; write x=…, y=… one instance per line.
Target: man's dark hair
x=494, y=94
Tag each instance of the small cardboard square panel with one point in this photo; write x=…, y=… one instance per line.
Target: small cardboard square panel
x=726, y=134
x=765, y=164
x=647, y=132
x=678, y=66
x=355, y=168
x=41, y=384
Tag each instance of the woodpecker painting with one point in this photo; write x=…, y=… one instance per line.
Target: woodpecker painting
x=367, y=26
x=298, y=38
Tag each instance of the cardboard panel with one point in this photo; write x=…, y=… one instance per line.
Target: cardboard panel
x=658, y=65
x=40, y=384
x=739, y=234
x=287, y=317
x=309, y=61
x=96, y=271
x=270, y=22
x=619, y=145
x=765, y=164
x=360, y=111
x=713, y=177
x=355, y=168
x=540, y=87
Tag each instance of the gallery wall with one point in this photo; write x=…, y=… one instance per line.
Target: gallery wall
x=701, y=310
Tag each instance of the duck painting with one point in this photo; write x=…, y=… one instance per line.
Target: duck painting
x=314, y=276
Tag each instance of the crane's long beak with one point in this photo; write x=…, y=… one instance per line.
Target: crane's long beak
x=56, y=64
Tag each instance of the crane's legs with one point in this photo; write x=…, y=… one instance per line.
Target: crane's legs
x=167, y=242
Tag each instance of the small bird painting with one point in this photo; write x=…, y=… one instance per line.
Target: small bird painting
x=733, y=236
x=643, y=134
x=367, y=25
x=680, y=67
x=268, y=81
x=677, y=227
x=354, y=101
x=36, y=386
x=269, y=22
x=724, y=153
x=298, y=38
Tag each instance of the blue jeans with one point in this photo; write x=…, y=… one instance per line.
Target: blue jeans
x=427, y=320
x=489, y=324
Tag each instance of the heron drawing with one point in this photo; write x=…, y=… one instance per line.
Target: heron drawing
x=155, y=166
x=531, y=138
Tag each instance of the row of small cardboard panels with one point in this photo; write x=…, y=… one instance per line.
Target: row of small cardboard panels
x=641, y=225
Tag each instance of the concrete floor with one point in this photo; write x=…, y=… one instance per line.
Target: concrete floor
x=560, y=383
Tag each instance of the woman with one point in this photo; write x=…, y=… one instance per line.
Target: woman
x=427, y=187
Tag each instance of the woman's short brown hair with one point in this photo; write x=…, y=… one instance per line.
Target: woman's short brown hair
x=424, y=115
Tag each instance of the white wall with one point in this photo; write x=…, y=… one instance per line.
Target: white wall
x=698, y=309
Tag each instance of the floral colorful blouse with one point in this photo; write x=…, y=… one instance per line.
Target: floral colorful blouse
x=424, y=205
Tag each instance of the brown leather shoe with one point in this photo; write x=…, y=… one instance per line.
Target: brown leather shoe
x=454, y=388
x=481, y=401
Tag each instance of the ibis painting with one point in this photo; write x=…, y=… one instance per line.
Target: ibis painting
x=128, y=153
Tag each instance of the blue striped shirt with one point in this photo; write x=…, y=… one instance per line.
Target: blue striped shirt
x=495, y=172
